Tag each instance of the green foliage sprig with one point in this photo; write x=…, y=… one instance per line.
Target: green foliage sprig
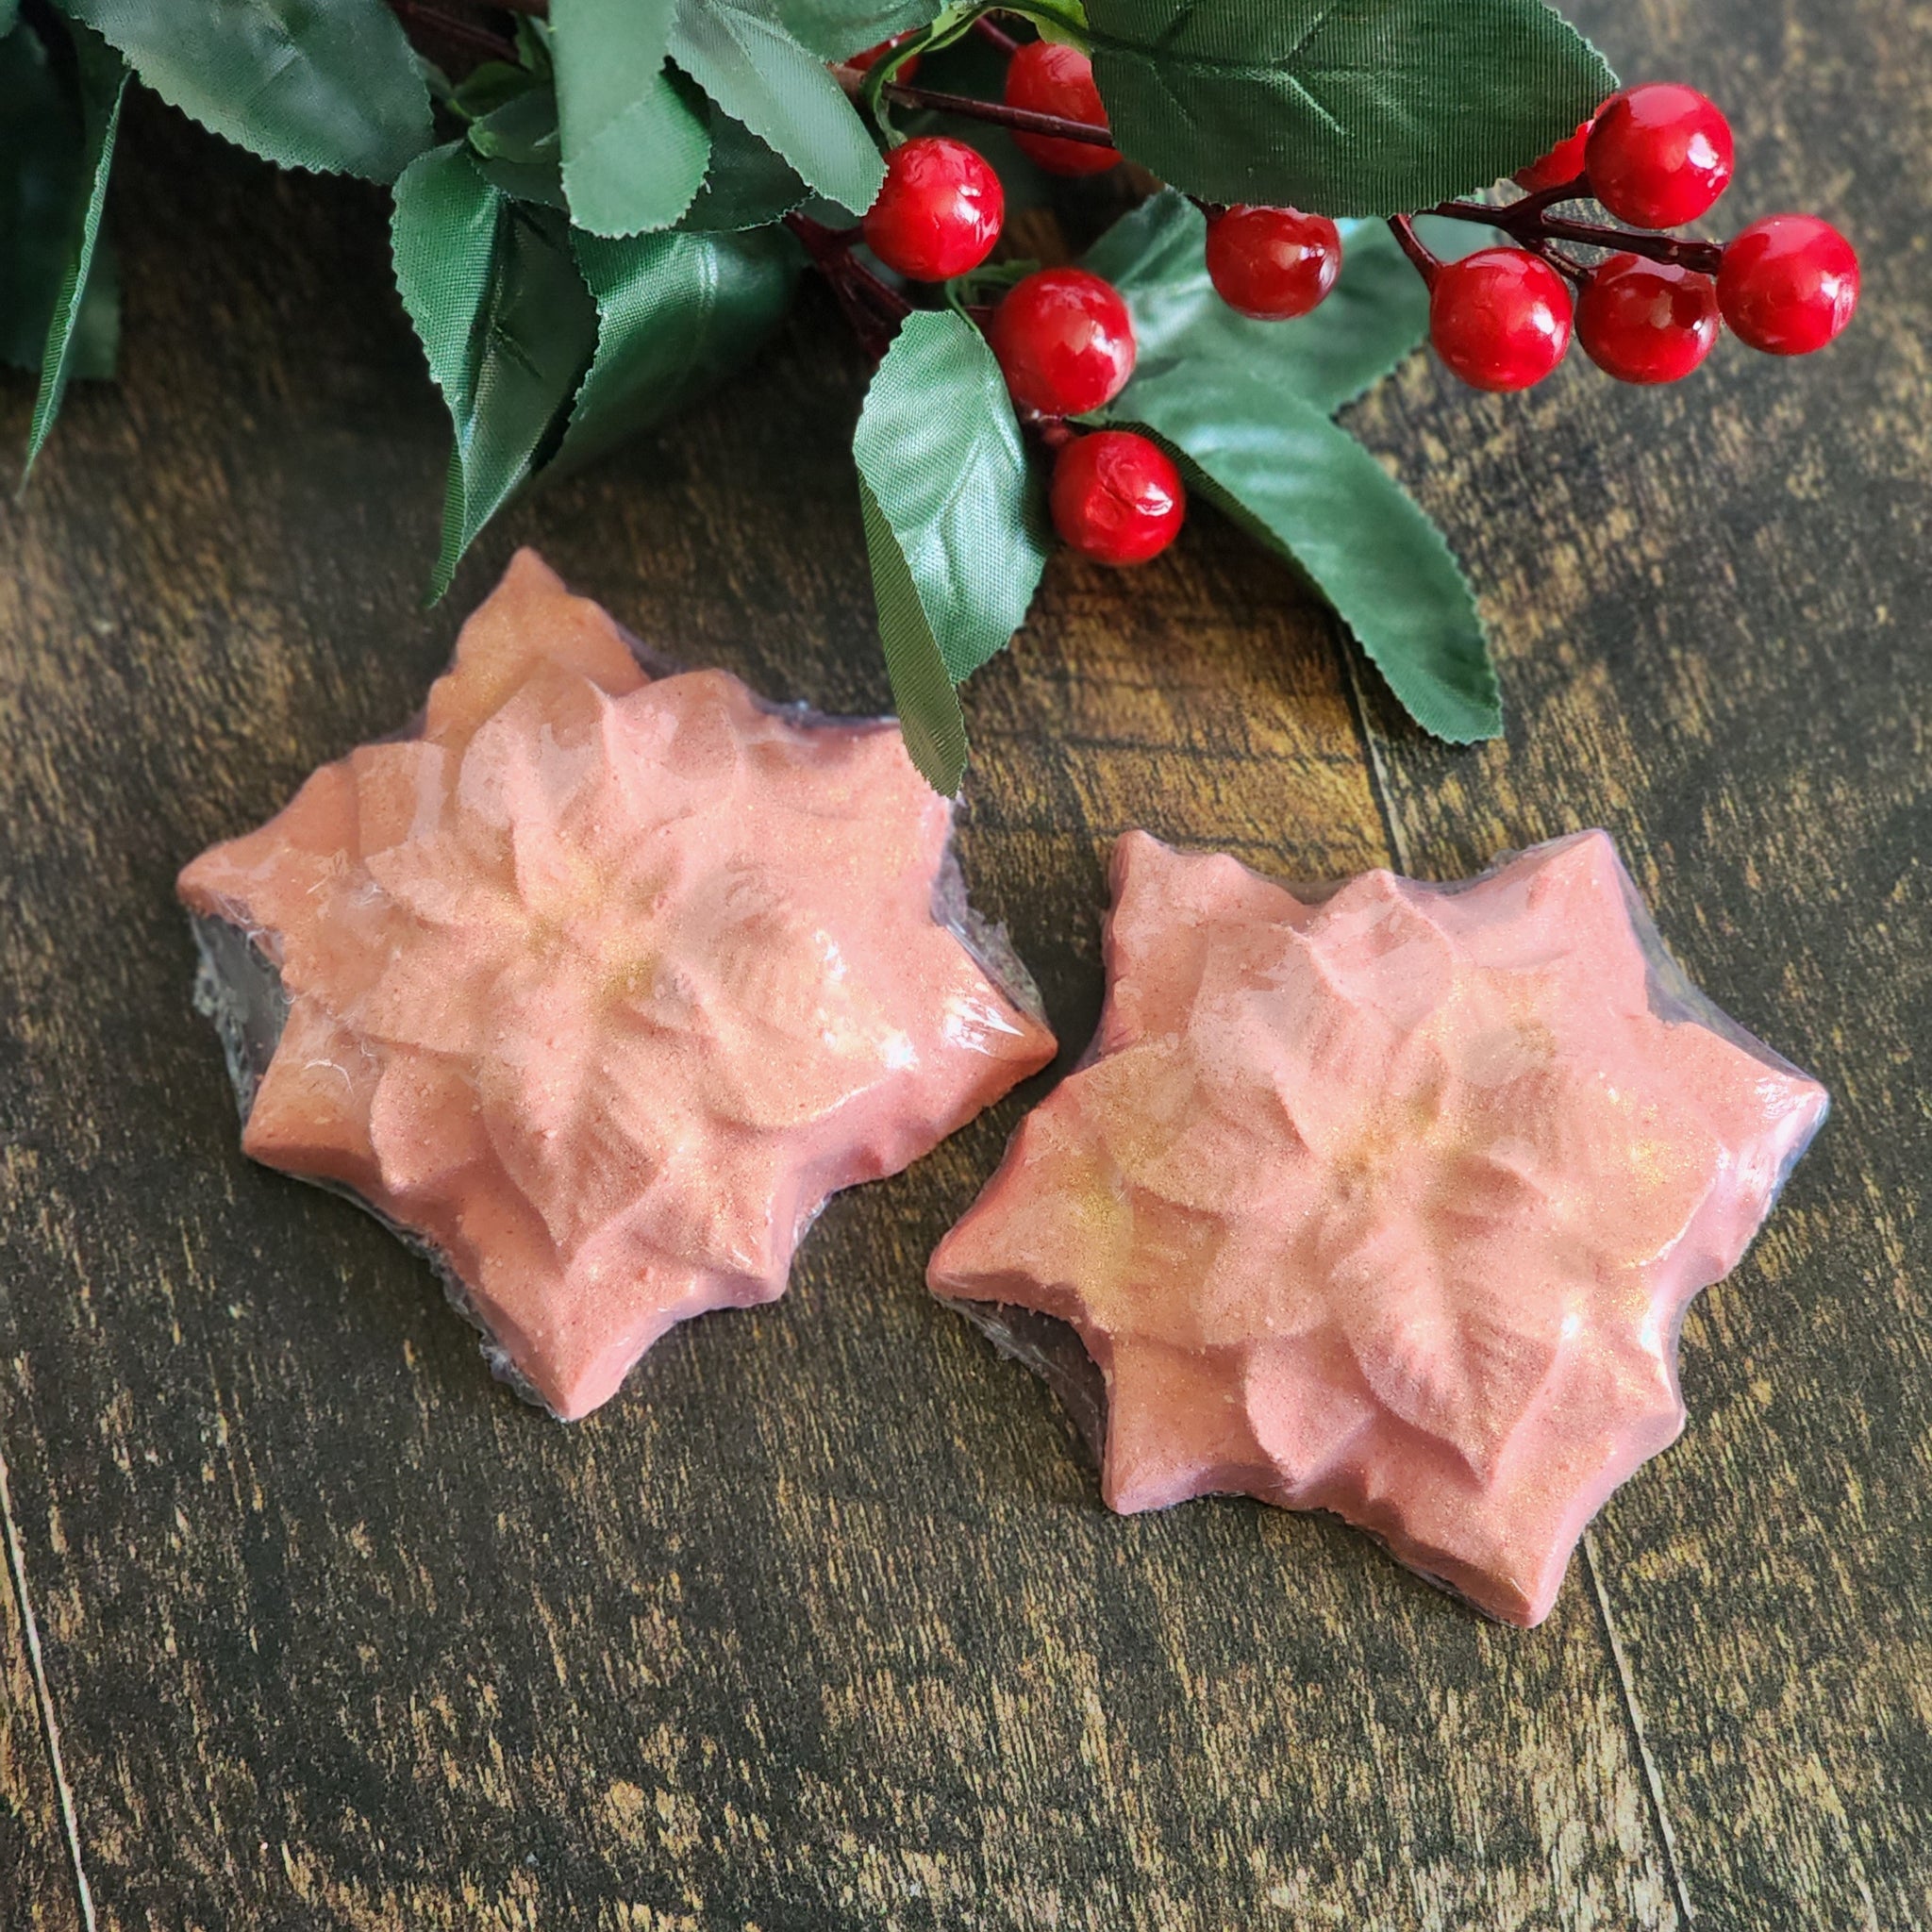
x=1251, y=428
x=589, y=229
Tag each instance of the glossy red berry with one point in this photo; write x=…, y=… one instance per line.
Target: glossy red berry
x=1560, y=166
x=1659, y=155
x=1047, y=78
x=866, y=61
x=1065, y=341
x=939, y=213
x=1117, y=497
x=1647, y=320
x=1273, y=263
x=1789, y=284
x=1500, y=318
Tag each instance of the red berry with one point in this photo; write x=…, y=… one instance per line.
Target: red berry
x=1048, y=78
x=1647, y=320
x=1065, y=341
x=939, y=213
x=1560, y=166
x=1789, y=284
x=1273, y=263
x=1116, y=497
x=866, y=61
x=1659, y=155
x=1500, y=318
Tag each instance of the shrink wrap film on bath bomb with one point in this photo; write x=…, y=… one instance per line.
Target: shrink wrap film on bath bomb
x=599, y=982
x=1387, y=1201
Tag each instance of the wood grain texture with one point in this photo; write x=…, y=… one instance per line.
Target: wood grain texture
x=1714, y=608
x=37, y=1891
x=821, y=1624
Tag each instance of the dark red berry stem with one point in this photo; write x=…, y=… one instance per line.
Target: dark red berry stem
x=1530, y=206
x=873, y=309
x=969, y=107
x=1412, y=245
x=1529, y=221
x=1565, y=265
x=454, y=30
x=1703, y=258
x=995, y=36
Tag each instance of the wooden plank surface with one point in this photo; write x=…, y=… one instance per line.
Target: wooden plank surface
x=1716, y=604
x=821, y=1624
x=37, y=1893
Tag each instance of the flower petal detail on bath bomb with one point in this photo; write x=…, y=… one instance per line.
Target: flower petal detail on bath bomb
x=1388, y=1202
x=600, y=984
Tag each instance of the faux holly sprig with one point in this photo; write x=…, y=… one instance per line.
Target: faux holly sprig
x=600, y=213
x=1646, y=308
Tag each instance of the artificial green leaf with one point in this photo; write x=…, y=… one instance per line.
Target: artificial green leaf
x=1375, y=315
x=738, y=54
x=487, y=87
x=922, y=689
x=40, y=163
x=102, y=78
x=96, y=341
x=442, y=89
x=505, y=320
x=747, y=184
x=333, y=87
x=674, y=314
x=1347, y=106
x=940, y=450
x=635, y=148
x=516, y=149
x=533, y=45
x=1064, y=21
x=834, y=28
x=1236, y=399
x=1312, y=493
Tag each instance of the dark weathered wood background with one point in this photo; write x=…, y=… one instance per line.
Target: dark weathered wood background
x=309, y=1623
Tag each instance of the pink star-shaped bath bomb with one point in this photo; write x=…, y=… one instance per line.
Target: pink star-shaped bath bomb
x=600, y=985
x=1390, y=1204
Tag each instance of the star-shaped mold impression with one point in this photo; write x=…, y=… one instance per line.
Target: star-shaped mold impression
x=599, y=984
x=1390, y=1203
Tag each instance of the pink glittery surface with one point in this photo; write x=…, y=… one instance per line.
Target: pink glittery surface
x=1391, y=1203
x=600, y=985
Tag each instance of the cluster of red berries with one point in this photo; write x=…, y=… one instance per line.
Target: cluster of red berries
x=1063, y=337
x=1655, y=156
